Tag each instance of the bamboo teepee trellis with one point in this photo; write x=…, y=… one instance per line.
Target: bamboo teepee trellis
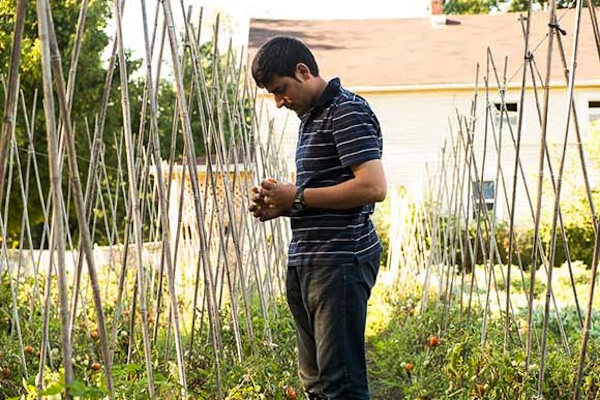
x=192, y=262
x=187, y=271
x=459, y=200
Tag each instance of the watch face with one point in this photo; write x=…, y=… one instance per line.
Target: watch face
x=298, y=205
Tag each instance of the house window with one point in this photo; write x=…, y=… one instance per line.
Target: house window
x=512, y=111
x=483, y=196
x=594, y=110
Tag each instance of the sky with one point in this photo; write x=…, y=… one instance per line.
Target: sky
x=235, y=14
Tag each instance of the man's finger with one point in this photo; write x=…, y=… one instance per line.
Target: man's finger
x=269, y=183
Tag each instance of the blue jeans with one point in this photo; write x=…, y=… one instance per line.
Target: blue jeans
x=329, y=306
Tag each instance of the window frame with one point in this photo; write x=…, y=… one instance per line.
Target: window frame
x=512, y=111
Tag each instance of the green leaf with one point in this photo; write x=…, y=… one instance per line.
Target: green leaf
x=55, y=388
x=77, y=388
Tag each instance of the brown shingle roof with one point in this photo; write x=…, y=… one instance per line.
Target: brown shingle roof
x=398, y=52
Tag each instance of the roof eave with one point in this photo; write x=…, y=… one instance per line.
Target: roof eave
x=582, y=84
x=454, y=87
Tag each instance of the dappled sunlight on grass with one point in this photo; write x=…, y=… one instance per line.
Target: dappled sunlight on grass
x=473, y=356
x=380, y=309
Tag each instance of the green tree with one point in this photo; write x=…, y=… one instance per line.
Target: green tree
x=521, y=5
x=65, y=15
x=87, y=95
x=469, y=6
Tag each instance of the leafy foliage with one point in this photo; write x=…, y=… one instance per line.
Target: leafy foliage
x=265, y=370
x=485, y=6
x=469, y=6
x=87, y=94
x=208, y=117
x=522, y=5
x=467, y=363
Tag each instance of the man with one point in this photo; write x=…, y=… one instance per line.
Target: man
x=334, y=254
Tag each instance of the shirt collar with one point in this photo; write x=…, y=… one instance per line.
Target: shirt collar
x=332, y=89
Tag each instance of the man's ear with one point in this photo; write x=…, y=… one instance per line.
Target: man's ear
x=303, y=72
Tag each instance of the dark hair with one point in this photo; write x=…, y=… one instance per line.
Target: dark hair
x=279, y=56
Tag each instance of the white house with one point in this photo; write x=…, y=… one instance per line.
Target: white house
x=423, y=77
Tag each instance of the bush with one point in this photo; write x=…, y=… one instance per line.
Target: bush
x=580, y=238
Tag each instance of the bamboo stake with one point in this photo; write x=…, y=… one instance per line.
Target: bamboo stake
x=175, y=229
x=218, y=137
x=454, y=204
x=552, y=180
x=184, y=167
x=133, y=198
x=236, y=119
x=13, y=283
x=231, y=159
x=511, y=210
x=55, y=59
x=55, y=180
x=212, y=126
x=46, y=320
x=12, y=90
x=571, y=84
x=185, y=121
x=500, y=179
x=511, y=238
x=594, y=267
x=88, y=209
x=163, y=208
x=149, y=90
x=25, y=225
x=482, y=209
x=452, y=237
x=586, y=180
x=540, y=181
x=194, y=248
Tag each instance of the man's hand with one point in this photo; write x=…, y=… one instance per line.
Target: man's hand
x=271, y=199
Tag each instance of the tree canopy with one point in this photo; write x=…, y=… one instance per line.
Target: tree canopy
x=485, y=6
x=469, y=6
x=521, y=5
x=88, y=94
x=87, y=91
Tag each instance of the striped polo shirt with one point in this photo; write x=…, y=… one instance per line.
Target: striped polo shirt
x=341, y=130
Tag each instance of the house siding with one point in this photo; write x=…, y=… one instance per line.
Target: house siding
x=416, y=125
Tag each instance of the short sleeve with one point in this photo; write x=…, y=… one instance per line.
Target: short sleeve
x=356, y=133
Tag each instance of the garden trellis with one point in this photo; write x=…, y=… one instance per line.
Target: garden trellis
x=185, y=237
x=181, y=263
x=474, y=251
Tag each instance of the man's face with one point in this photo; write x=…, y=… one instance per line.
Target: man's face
x=291, y=93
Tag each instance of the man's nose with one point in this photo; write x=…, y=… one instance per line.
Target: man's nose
x=279, y=101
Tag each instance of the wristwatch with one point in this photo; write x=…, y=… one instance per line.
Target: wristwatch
x=299, y=203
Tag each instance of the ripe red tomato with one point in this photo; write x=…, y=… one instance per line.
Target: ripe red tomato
x=290, y=393
x=433, y=341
